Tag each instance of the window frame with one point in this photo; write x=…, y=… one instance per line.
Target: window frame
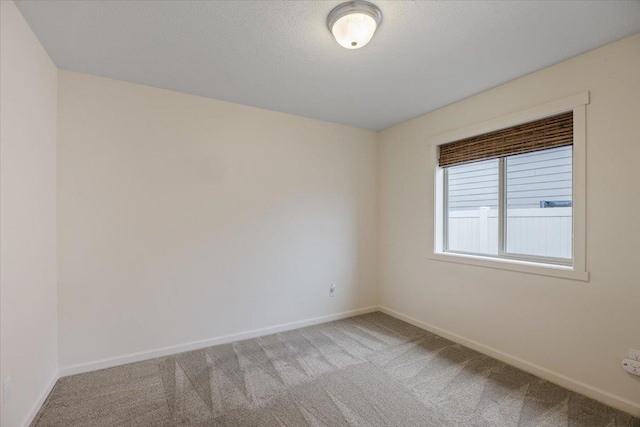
x=558, y=267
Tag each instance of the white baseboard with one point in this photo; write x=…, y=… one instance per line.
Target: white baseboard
x=195, y=345
x=595, y=393
x=43, y=397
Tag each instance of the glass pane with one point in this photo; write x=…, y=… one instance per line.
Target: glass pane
x=472, y=207
x=538, y=197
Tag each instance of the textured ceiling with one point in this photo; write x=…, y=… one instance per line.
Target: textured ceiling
x=279, y=55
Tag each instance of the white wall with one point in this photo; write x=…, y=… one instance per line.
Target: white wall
x=28, y=81
x=581, y=330
x=183, y=218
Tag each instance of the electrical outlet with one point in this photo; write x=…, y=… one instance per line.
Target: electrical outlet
x=631, y=366
x=332, y=290
x=634, y=354
x=6, y=391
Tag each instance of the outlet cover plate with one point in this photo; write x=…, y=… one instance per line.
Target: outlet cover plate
x=631, y=366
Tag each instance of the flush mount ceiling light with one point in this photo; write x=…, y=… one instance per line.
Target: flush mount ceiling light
x=353, y=23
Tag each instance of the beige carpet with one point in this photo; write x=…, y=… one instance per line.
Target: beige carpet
x=370, y=370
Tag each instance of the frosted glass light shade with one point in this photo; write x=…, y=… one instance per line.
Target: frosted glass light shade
x=354, y=23
x=353, y=31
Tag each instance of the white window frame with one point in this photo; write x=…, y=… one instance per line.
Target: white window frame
x=576, y=270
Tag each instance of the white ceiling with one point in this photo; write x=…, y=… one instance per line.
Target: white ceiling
x=280, y=55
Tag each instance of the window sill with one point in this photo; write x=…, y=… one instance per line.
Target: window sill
x=513, y=265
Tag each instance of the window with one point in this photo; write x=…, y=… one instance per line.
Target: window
x=473, y=200
x=510, y=193
x=530, y=206
x=538, y=189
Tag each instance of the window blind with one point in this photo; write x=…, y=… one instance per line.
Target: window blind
x=550, y=132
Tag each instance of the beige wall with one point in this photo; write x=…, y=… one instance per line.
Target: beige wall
x=580, y=330
x=183, y=218
x=28, y=81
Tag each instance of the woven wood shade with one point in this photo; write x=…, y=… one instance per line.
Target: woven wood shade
x=550, y=132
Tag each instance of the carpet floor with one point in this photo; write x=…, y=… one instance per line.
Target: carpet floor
x=370, y=370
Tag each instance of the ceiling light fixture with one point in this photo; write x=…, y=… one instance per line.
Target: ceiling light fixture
x=354, y=23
